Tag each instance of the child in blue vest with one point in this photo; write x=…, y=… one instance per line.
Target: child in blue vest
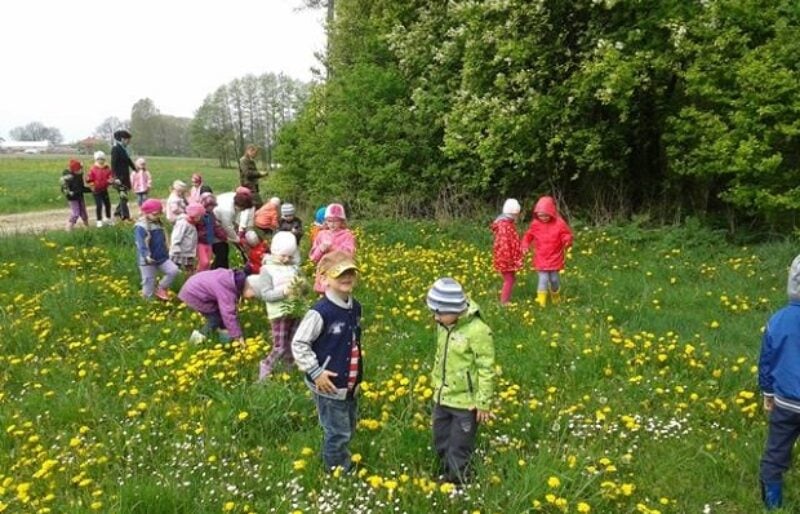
x=778, y=369
x=327, y=348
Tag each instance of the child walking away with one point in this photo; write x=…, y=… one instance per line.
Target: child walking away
x=327, y=348
x=279, y=284
x=507, y=252
x=463, y=377
x=176, y=202
x=550, y=236
x=778, y=371
x=318, y=225
x=256, y=250
x=141, y=181
x=152, y=251
x=336, y=237
x=183, y=244
x=73, y=188
x=99, y=179
x=215, y=294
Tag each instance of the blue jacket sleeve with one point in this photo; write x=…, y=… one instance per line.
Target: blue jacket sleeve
x=140, y=234
x=766, y=363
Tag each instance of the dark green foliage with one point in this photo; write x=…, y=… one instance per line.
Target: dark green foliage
x=670, y=108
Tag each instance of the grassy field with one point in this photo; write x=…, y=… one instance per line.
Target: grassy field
x=638, y=394
x=31, y=182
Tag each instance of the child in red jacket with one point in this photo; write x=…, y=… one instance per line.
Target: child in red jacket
x=550, y=236
x=507, y=253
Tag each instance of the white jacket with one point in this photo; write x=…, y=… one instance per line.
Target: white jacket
x=231, y=219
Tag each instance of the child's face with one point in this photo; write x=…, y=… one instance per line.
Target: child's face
x=284, y=259
x=289, y=217
x=334, y=223
x=342, y=285
x=154, y=217
x=543, y=217
x=446, y=319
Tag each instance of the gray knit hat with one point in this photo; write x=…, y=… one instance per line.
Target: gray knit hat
x=447, y=297
x=793, y=284
x=287, y=209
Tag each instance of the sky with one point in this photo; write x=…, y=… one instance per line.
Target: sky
x=71, y=64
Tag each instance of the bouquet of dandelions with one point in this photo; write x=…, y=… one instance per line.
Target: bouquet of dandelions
x=297, y=298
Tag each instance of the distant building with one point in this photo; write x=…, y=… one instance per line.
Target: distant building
x=31, y=147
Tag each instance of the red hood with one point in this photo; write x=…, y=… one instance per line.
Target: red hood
x=546, y=205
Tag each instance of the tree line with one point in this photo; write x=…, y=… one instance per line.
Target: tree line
x=669, y=108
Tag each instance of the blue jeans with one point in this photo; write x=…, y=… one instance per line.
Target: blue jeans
x=140, y=198
x=213, y=322
x=338, y=421
x=548, y=280
x=784, y=428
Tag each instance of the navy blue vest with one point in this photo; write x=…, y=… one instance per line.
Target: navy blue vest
x=340, y=327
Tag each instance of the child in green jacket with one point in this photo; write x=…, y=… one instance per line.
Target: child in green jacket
x=463, y=377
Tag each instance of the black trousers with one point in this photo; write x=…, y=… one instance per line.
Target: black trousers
x=220, y=250
x=784, y=428
x=102, y=200
x=454, y=432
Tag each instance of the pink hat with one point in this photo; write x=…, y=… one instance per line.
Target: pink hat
x=243, y=191
x=151, y=206
x=195, y=210
x=335, y=210
x=208, y=200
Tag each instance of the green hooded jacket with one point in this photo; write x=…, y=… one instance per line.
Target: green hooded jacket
x=463, y=372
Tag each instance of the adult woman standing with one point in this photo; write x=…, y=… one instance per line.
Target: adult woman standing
x=121, y=164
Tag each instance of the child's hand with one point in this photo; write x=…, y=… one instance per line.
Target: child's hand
x=149, y=260
x=323, y=382
x=482, y=416
x=769, y=402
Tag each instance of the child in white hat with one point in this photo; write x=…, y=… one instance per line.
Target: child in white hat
x=507, y=252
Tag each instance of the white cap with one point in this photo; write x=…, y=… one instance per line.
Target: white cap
x=252, y=238
x=99, y=156
x=283, y=243
x=511, y=206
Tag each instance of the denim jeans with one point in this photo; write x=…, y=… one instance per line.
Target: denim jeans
x=338, y=421
x=213, y=322
x=784, y=428
x=548, y=280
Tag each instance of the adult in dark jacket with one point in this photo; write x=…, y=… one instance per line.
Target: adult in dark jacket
x=249, y=174
x=121, y=166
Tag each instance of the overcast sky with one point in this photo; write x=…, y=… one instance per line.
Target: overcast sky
x=70, y=64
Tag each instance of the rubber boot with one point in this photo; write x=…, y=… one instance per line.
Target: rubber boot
x=555, y=297
x=772, y=495
x=541, y=298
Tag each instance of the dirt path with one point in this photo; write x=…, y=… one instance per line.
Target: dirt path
x=35, y=222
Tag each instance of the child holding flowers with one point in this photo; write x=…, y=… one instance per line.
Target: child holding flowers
x=280, y=284
x=507, y=254
x=327, y=348
x=215, y=294
x=463, y=377
x=336, y=237
x=152, y=251
x=550, y=236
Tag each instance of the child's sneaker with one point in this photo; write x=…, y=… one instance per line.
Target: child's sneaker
x=99, y=224
x=162, y=294
x=197, y=337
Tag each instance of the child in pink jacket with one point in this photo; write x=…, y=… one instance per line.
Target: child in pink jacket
x=550, y=236
x=141, y=181
x=336, y=236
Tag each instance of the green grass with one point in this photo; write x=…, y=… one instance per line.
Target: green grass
x=636, y=392
x=31, y=183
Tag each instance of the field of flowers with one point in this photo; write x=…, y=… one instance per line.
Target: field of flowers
x=637, y=394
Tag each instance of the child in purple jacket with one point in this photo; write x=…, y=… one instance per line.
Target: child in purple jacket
x=215, y=294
